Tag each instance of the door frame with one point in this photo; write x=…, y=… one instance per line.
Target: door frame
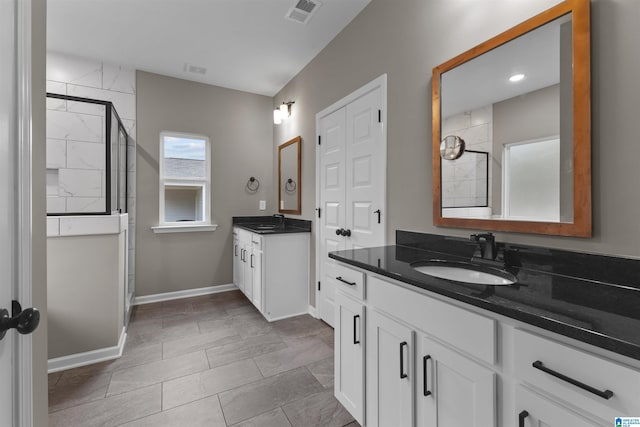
x=380, y=82
x=23, y=386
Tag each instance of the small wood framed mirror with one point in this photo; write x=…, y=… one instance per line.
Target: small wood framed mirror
x=289, y=175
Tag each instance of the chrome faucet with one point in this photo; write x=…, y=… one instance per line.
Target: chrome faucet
x=486, y=246
x=280, y=218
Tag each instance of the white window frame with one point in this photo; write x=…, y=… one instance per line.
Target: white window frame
x=169, y=226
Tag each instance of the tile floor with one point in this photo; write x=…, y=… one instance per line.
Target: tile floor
x=206, y=361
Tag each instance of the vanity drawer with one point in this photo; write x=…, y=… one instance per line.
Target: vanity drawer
x=256, y=241
x=350, y=281
x=468, y=331
x=558, y=365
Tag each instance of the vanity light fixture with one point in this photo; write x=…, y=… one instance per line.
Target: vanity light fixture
x=516, y=78
x=282, y=112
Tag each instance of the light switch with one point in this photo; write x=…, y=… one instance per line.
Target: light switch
x=263, y=205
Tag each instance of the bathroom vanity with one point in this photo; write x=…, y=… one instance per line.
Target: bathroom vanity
x=271, y=264
x=561, y=346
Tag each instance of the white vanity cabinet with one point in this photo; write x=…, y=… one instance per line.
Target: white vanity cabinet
x=430, y=361
x=272, y=270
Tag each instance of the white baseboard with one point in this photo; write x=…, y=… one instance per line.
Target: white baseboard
x=167, y=296
x=87, y=358
x=313, y=311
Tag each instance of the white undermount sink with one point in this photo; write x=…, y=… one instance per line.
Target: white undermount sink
x=465, y=272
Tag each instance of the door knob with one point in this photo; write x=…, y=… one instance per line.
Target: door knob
x=346, y=232
x=24, y=321
x=339, y=231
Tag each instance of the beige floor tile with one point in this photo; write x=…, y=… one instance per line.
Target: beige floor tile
x=321, y=409
x=323, y=370
x=111, y=411
x=275, y=418
x=198, y=342
x=77, y=389
x=207, y=383
x=261, y=396
x=201, y=413
x=304, y=352
x=244, y=349
x=156, y=372
x=300, y=326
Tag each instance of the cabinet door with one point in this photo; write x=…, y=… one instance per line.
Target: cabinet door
x=248, y=273
x=452, y=390
x=237, y=262
x=390, y=376
x=535, y=410
x=349, y=354
x=256, y=275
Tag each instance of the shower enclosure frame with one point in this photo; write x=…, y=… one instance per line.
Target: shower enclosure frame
x=110, y=112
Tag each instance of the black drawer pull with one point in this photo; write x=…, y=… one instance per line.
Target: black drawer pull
x=521, y=416
x=235, y=250
x=339, y=278
x=403, y=344
x=252, y=255
x=355, y=341
x=607, y=394
x=425, y=389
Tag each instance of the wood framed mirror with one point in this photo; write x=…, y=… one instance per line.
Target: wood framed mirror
x=524, y=99
x=289, y=174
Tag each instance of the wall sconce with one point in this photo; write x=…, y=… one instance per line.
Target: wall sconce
x=282, y=113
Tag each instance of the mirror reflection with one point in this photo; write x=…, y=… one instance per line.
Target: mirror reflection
x=513, y=108
x=289, y=174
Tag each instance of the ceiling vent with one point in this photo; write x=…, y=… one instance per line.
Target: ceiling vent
x=302, y=11
x=194, y=69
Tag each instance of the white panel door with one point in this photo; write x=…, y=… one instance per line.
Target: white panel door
x=332, y=205
x=365, y=172
x=349, y=361
x=451, y=389
x=390, y=374
x=352, y=184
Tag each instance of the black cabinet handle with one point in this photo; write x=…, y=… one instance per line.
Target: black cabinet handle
x=607, y=394
x=357, y=316
x=378, y=212
x=242, y=255
x=425, y=388
x=252, y=255
x=403, y=344
x=340, y=279
x=521, y=416
x=235, y=250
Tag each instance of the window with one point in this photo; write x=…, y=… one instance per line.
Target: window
x=185, y=183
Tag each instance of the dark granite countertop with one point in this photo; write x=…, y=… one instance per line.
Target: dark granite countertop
x=264, y=224
x=554, y=291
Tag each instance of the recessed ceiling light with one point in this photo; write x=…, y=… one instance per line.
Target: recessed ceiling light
x=516, y=78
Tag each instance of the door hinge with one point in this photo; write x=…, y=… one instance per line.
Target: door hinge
x=318, y=285
x=319, y=140
x=319, y=211
x=379, y=116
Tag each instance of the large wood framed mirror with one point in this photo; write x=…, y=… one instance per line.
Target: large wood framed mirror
x=289, y=174
x=522, y=100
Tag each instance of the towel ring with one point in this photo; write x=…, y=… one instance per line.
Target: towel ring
x=253, y=184
x=290, y=186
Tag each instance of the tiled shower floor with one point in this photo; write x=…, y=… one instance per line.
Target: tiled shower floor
x=206, y=361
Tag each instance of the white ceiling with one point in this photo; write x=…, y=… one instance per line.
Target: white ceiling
x=247, y=45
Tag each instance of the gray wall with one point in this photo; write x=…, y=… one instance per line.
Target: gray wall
x=239, y=126
x=39, y=240
x=407, y=42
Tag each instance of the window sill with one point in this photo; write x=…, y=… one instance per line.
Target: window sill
x=159, y=229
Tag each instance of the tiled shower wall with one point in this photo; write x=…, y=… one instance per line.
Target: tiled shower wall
x=76, y=134
x=464, y=181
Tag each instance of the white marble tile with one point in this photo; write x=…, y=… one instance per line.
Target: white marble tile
x=56, y=204
x=482, y=115
x=87, y=225
x=452, y=124
x=80, y=183
x=52, y=182
x=55, y=103
x=87, y=108
x=475, y=134
x=125, y=103
x=53, y=226
x=79, y=127
x=56, y=153
x=118, y=78
x=73, y=69
x=130, y=127
x=85, y=204
x=86, y=155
